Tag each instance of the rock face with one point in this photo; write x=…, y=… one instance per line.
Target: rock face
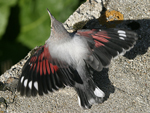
x=127, y=81
x=91, y=9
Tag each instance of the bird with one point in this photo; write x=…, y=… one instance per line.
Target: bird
x=68, y=59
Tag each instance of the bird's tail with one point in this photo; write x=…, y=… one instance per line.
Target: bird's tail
x=89, y=94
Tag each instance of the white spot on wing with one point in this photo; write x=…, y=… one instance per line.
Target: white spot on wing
x=98, y=92
x=121, y=38
x=25, y=82
x=36, y=85
x=30, y=84
x=121, y=31
x=22, y=79
x=124, y=35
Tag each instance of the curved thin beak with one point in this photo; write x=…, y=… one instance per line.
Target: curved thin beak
x=51, y=16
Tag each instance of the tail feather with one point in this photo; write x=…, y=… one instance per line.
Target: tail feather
x=89, y=95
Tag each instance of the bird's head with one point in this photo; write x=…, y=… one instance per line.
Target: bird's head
x=57, y=28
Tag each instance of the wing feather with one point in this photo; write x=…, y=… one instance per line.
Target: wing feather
x=107, y=44
x=41, y=74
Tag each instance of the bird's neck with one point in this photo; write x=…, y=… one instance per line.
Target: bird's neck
x=59, y=38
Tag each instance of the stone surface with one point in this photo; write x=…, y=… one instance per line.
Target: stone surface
x=89, y=10
x=127, y=81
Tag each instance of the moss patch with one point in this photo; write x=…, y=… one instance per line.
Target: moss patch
x=111, y=18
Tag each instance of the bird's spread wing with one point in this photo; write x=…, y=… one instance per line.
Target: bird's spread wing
x=41, y=73
x=107, y=44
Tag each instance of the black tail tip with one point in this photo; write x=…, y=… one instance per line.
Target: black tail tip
x=89, y=97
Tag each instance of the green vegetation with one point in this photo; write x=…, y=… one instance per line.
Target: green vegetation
x=25, y=24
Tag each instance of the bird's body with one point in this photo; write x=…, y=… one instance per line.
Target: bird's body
x=75, y=49
x=66, y=58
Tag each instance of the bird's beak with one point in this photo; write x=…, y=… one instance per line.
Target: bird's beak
x=49, y=12
x=51, y=16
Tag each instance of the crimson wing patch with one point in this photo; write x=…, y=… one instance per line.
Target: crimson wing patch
x=107, y=44
x=42, y=74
